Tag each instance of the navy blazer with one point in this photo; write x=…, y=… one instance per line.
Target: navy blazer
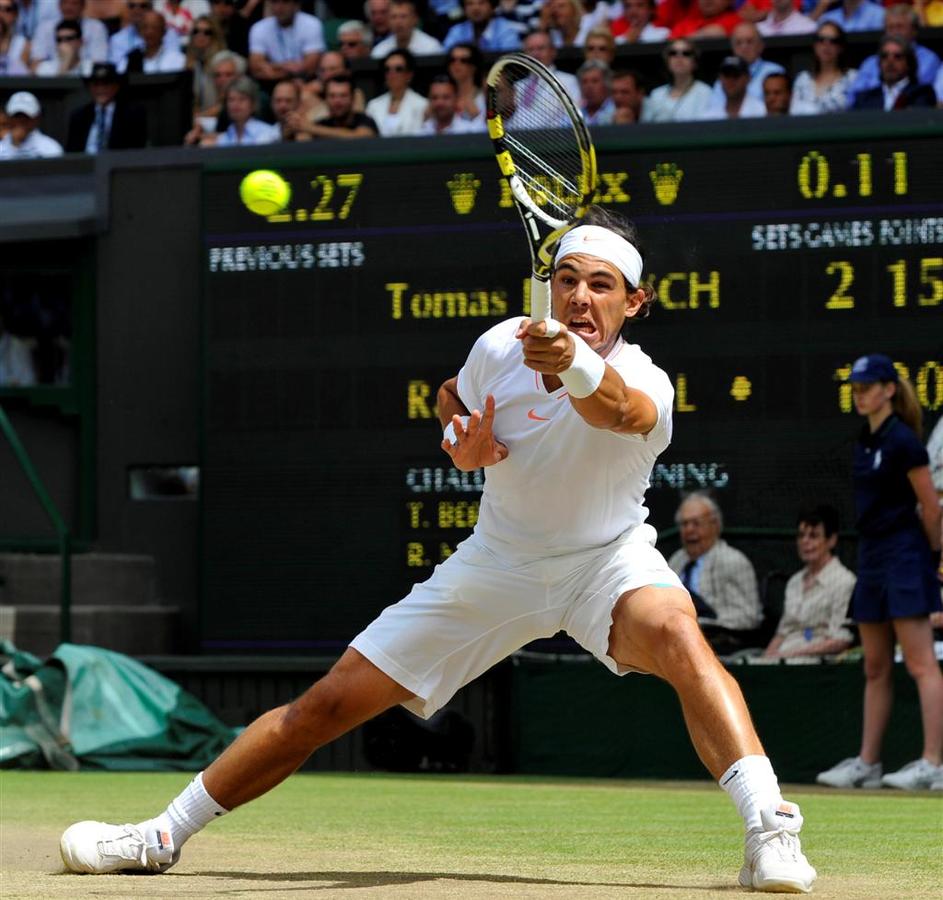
x=128, y=127
x=912, y=95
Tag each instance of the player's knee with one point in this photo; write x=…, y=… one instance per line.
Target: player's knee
x=317, y=716
x=681, y=647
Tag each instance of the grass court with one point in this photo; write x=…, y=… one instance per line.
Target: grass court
x=388, y=836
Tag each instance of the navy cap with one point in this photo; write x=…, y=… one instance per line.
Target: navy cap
x=735, y=65
x=104, y=71
x=872, y=368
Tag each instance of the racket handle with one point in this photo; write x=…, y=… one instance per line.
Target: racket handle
x=541, y=309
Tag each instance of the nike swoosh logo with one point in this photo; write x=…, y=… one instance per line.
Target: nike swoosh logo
x=532, y=414
x=733, y=775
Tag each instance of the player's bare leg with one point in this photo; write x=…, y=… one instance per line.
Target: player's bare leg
x=655, y=629
x=279, y=741
x=264, y=755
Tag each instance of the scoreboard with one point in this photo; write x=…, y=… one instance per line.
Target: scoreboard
x=329, y=326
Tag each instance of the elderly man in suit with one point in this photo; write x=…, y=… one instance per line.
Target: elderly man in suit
x=719, y=578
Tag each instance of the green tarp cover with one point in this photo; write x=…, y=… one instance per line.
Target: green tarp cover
x=89, y=708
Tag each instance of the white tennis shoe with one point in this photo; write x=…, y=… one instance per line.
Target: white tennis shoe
x=97, y=848
x=918, y=775
x=853, y=772
x=773, y=858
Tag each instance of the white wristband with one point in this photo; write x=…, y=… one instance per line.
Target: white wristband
x=449, y=430
x=585, y=372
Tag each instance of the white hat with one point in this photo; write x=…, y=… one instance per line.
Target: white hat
x=23, y=102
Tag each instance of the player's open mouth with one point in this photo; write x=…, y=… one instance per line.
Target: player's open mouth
x=582, y=326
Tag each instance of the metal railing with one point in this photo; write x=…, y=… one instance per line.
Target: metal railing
x=58, y=523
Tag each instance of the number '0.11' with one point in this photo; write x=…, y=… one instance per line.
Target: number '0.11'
x=814, y=175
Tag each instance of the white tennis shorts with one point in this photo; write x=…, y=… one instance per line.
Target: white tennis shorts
x=476, y=609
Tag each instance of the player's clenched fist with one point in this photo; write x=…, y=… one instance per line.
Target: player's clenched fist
x=549, y=356
x=474, y=444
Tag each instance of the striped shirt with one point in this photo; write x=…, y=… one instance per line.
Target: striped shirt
x=726, y=580
x=818, y=612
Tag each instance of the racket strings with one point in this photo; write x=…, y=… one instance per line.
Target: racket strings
x=541, y=140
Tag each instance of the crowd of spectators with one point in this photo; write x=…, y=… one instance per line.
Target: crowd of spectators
x=244, y=53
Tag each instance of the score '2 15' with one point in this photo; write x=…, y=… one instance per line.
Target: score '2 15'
x=816, y=178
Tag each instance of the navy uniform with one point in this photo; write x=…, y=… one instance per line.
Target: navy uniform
x=895, y=570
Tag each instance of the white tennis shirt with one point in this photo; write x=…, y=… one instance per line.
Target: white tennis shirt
x=565, y=486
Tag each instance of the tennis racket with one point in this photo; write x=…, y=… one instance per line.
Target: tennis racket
x=546, y=156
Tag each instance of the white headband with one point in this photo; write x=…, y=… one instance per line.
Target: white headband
x=594, y=240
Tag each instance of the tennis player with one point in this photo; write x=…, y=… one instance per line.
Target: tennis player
x=568, y=430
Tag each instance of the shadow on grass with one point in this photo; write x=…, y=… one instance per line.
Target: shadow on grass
x=386, y=879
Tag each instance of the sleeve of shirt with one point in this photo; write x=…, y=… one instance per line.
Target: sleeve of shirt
x=911, y=454
x=257, y=38
x=788, y=623
x=313, y=38
x=738, y=605
x=656, y=385
x=470, y=376
x=840, y=592
x=473, y=376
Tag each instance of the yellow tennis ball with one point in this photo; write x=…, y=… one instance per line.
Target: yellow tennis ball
x=265, y=192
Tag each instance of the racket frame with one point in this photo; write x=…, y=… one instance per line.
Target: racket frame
x=542, y=247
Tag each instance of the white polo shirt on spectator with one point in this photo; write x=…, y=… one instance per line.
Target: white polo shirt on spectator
x=304, y=35
x=420, y=44
x=165, y=60
x=35, y=146
x=255, y=131
x=128, y=39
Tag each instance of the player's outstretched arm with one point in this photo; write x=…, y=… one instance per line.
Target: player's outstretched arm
x=606, y=401
x=474, y=445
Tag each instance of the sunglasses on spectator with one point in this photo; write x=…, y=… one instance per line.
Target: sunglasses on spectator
x=352, y=42
x=224, y=2
x=394, y=68
x=681, y=53
x=139, y=4
x=65, y=38
x=827, y=39
x=8, y=9
x=207, y=31
x=461, y=59
x=887, y=54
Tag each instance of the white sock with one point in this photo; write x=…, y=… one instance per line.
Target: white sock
x=752, y=785
x=189, y=812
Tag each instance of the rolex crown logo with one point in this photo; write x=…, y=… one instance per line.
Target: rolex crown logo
x=666, y=179
x=463, y=189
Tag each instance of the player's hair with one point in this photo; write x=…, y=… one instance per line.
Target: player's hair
x=620, y=225
x=820, y=514
x=907, y=406
x=708, y=501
